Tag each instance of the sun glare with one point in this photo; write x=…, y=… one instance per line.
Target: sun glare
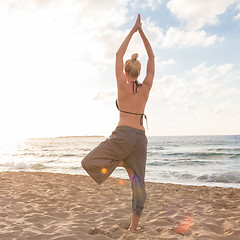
x=12, y=140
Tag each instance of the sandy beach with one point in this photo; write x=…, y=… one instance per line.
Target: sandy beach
x=36, y=205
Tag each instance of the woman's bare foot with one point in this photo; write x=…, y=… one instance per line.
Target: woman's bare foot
x=134, y=223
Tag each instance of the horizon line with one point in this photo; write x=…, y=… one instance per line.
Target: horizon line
x=89, y=136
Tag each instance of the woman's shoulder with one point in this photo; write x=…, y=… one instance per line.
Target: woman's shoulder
x=127, y=92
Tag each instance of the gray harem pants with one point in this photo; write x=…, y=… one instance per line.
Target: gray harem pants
x=127, y=144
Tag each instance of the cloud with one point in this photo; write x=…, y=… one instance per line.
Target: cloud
x=170, y=88
x=196, y=14
x=153, y=4
x=87, y=17
x=210, y=72
x=110, y=40
x=105, y=95
x=99, y=15
x=224, y=69
x=178, y=38
x=81, y=31
x=200, y=100
x=192, y=106
x=213, y=80
x=224, y=108
x=202, y=84
x=167, y=62
x=237, y=17
x=174, y=37
x=153, y=31
x=163, y=64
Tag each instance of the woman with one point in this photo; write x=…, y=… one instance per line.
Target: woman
x=127, y=146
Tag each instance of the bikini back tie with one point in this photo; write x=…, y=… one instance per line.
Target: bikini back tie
x=137, y=84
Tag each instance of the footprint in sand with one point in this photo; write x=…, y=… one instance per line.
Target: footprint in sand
x=94, y=231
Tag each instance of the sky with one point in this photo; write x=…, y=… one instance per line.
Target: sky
x=57, y=66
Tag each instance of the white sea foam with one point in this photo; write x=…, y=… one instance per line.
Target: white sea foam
x=15, y=164
x=226, y=177
x=19, y=164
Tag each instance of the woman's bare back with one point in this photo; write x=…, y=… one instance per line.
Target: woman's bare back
x=132, y=99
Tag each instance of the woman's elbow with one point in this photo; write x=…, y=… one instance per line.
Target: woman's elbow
x=119, y=54
x=152, y=56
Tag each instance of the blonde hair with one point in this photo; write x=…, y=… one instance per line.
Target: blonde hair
x=133, y=66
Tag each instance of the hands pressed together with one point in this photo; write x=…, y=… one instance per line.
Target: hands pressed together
x=138, y=25
x=122, y=49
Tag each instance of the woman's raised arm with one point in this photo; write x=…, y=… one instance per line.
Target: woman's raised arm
x=122, y=49
x=150, y=64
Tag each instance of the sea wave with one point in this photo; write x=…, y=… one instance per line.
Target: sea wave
x=69, y=155
x=204, y=155
x=225, y=149
x=227, y=177
x=38, y=166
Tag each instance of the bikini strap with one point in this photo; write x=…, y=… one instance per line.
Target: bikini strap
x=142, y=114
x=141, y=119
x=126, y=111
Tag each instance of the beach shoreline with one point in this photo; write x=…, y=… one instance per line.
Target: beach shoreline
x=42, y=205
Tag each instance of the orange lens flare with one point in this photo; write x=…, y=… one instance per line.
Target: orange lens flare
x=184, y=226
x=104, y=170
x=122, y=182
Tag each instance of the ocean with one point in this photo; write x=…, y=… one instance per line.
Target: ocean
x=188, y=160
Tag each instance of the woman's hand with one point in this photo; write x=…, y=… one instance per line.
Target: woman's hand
x=140, y=28
x=137, y=24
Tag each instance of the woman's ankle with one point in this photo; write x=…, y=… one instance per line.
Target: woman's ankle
x=121, y=164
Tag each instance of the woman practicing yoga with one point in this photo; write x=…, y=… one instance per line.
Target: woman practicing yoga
x=127, y=145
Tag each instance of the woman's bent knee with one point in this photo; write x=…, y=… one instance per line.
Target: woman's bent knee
x=84, y=163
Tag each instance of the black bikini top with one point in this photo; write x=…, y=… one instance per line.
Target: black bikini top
x=137, y=84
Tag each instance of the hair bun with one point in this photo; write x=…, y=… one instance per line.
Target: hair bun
x=134, y=56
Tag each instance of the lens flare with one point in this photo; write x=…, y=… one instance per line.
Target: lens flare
x=122, y=182
x=104, y=170
x=184, y=226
